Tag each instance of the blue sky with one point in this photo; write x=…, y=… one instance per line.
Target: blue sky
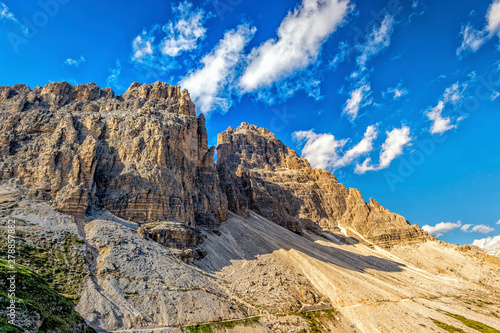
x=397, y=98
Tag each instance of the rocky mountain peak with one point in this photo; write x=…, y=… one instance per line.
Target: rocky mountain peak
x=142, y=155
x=158, y=96
x=256, y=147
x=258, y=172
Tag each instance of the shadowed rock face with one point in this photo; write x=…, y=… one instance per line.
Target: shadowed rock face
x=258, y=172
x=142, y=155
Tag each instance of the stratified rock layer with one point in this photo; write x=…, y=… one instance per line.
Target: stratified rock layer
x=258, y=172
x=142, y=155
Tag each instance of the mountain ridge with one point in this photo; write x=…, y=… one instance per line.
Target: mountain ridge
x=118, y=201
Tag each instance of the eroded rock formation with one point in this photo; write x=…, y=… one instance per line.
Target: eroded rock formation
x=142, y=155
x=258, y=172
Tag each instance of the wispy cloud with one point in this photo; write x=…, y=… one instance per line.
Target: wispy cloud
x=498, y=222
x=473, y=38
x=359, y=98
x=180, y=35
x=441, y=228
x=453, y=95
x=75, y=62
x=396, y=92
x=325, y=152
x=466, y=227
x=185, y=31
x=142, y=47
x=300, y=36
x=7, y=15
x=376, y=41
x=396, y=140
x=481, y=228
x=488, y=243
x=484, y=229
x=207, y=83
x=114, y=76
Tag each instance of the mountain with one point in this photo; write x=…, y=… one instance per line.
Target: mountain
x=259, y=173
x=119, y=207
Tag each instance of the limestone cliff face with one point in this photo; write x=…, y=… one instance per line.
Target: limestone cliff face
x=258, y=172
x=142, y=155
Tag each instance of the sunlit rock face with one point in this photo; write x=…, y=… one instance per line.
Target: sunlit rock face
x=142, y=155
x=258, y=172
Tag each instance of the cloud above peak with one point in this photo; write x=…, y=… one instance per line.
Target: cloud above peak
x=396, y=140
x=325, y=152
x=183, y=33
x=300, y=37
x=206, y=84
x=441, y=228
x=75, y=62
x=357, y=100
x=452, y=95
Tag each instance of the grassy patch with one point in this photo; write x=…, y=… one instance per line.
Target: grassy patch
x=207, y=328
x=314, y=317
x=447, y=328
x=483, y=328
x=35, y=302
x=60, y=262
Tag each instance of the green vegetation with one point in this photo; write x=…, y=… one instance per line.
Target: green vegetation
x=207, y=328
x=483, y=328
x=36, y=300
x=313, y=317
x=447, y=328
x=60, y=262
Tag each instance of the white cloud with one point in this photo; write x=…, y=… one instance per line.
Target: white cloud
x=356, y=101
x=75, y=62
x=114, y=76
x=441, y=228
x=396, y=92
x=393, y=146
x=453, y=94
x=493, y=17
x=440, y=124
x=378, y=39
x=8, y=15
x=142, y=47
x=179, y=35
x=466, y=227
x=498, y=222
x=323, y=150
x=488, y=243
x=319, y=149
x=473, y=38
x=183, y=33
x=484, y=229
x=206, y=84
x=300, y=36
